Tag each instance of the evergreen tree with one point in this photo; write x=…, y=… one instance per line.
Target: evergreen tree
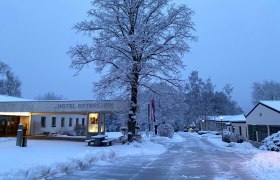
x=201, y=99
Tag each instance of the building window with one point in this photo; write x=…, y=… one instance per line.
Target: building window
x=240, y=131
x=77, y=121
x=83, y=122
x=260, y=114
x=62, y=122
x=53, y=121
x=70, y=122
x=43, y=121
x=274, y=129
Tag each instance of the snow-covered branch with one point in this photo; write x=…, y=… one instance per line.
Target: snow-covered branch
x=134, y=42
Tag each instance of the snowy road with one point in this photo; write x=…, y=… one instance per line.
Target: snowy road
x=196, y=158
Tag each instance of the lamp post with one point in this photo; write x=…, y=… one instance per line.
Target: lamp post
x=222, y=126
x=203, y=121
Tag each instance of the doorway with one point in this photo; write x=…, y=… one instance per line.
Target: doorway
x=9, y=125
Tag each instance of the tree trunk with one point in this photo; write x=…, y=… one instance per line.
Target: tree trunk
x=132, y=114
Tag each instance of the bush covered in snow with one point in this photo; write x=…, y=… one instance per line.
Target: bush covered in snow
x=166, y=130
x=271, y=143
x=80, y=130
x=231, y=137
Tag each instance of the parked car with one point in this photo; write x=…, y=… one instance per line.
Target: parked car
x=216, y=132
x=225, y=131
x=201, y=132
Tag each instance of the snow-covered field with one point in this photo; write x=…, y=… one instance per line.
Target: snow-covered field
x=42, y=158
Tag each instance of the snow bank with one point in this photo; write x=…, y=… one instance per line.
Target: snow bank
x=244, y=147
x=266, y=165
x=44, y=159
x=160, y=139
x=271, y=143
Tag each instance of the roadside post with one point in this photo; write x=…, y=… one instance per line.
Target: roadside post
x=24, y=138
x=222, y=127
x=19, y=135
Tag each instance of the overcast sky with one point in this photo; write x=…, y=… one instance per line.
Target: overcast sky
x=239, y=43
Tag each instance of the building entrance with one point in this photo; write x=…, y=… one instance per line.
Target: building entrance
x=9, y=125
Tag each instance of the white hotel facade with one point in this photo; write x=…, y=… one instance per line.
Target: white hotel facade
x=39, y=117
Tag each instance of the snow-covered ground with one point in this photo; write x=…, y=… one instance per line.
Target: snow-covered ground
x=42, y=158
x=265, y=164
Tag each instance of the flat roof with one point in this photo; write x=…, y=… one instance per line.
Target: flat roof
x=13, y=104
x=228, y=118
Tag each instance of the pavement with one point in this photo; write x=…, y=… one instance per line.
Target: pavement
x=195, y=158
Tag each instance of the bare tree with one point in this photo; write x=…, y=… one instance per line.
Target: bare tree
x=266, y=90
x=134, y=42
x=50, y=96
x=169, y=102
x=9, y=83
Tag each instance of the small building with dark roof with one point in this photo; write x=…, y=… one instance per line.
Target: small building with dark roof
x=263, y=120
x=233, y=123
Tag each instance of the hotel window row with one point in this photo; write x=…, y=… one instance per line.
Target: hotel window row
x=62, y=122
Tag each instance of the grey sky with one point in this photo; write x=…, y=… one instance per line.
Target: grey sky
x=238, y=43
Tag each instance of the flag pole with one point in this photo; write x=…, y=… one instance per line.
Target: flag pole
x=153, y=117
x=149, y=117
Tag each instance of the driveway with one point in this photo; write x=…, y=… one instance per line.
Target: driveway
x=195, y=158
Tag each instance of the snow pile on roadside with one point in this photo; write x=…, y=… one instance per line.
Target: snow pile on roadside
x=159, y=139
x=266, y=165
x=244, y=147
x=44, y=159
x=271, y=143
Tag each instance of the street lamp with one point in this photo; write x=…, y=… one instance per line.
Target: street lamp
x=222, y=125
x=202, y=124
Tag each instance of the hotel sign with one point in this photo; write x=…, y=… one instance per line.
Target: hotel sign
x=83, y=106
x=102, y=105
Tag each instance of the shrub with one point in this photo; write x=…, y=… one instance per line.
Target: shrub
x=271, y=143
x=226, y=138
x=166, y=130
x=112, y=128
x=80, y=130
x=231, y=137
x=69, y=133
